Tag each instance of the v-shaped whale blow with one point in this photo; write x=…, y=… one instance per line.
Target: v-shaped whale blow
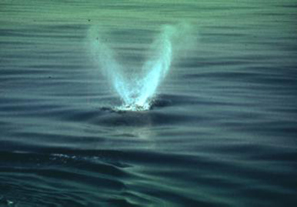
x=137, y=93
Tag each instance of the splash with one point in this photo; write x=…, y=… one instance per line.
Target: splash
x=137, y=93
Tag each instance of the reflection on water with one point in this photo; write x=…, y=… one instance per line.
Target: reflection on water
x=221, y=129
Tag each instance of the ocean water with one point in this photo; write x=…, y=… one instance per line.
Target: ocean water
x=220, y=129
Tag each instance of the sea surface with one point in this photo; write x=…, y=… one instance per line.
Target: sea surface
x=221, y=131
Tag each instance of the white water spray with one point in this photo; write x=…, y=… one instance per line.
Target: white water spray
x=137, y=93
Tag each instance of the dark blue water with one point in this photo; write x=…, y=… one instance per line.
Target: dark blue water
x=221, y=132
